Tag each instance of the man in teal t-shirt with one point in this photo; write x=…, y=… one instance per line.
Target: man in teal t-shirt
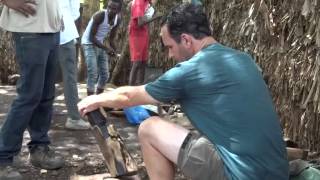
x=222, y=93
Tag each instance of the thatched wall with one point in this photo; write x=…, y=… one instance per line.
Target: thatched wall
x=7, y=64
x=282, y=36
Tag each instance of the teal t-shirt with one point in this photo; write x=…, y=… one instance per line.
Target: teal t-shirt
x=223, y=94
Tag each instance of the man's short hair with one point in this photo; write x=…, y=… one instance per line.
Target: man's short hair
x=120, y=2
x=187, y=18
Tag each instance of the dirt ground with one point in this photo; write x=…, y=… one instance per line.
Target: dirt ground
x=83, y=158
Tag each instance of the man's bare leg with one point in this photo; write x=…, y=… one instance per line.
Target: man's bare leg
x=141, y=72
x=160, y=142
x=133, y=73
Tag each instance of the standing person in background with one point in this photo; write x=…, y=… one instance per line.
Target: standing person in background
x=139, y=40
x=35, y=27
x=68, y=62
x=102, y=24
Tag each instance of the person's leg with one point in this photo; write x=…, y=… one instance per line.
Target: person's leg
x=39, y=125
x=141, y=72
x=103, y=70
x=31, y=58
x=68, y=64
x=144, y=58
x=92, y=72
x=41, y=118
x=160, y=142
x=133, y=73
x=198, y=159
x=133, y=42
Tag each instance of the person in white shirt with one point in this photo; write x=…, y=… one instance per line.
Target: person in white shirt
x=68, y=63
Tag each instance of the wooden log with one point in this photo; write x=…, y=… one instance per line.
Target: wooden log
x=117, y=158
x=296, y=153
x=104, y=176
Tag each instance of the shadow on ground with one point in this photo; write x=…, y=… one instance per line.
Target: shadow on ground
x=79, y=148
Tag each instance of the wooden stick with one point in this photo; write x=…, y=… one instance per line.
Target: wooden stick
x=296, y=153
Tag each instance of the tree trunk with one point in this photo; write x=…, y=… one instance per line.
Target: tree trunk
x=7, y=61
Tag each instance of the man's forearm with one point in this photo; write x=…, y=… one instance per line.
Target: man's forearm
x=112, y=99
x=141, y=21
x=98, y=44
x=25, y=7
x=112, y=45
x=77, y=22
x=119, y=98
x=126, y=96
x=106, y=47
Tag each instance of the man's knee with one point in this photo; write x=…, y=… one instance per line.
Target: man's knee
x=148, y=126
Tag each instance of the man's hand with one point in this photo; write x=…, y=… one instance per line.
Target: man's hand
x=25, y=7
x=110, y=51
x=89, y=104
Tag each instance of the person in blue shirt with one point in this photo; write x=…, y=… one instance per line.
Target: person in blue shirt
x=222, y=93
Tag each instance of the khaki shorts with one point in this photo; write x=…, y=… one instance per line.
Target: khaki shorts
x=198, y=159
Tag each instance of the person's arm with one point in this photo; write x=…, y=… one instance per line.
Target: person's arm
x=97, y=20
x=113, y=34
x=119, y=98
x=26, y=7
x=148, y=17
x=143, y=20
x=77, y=22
